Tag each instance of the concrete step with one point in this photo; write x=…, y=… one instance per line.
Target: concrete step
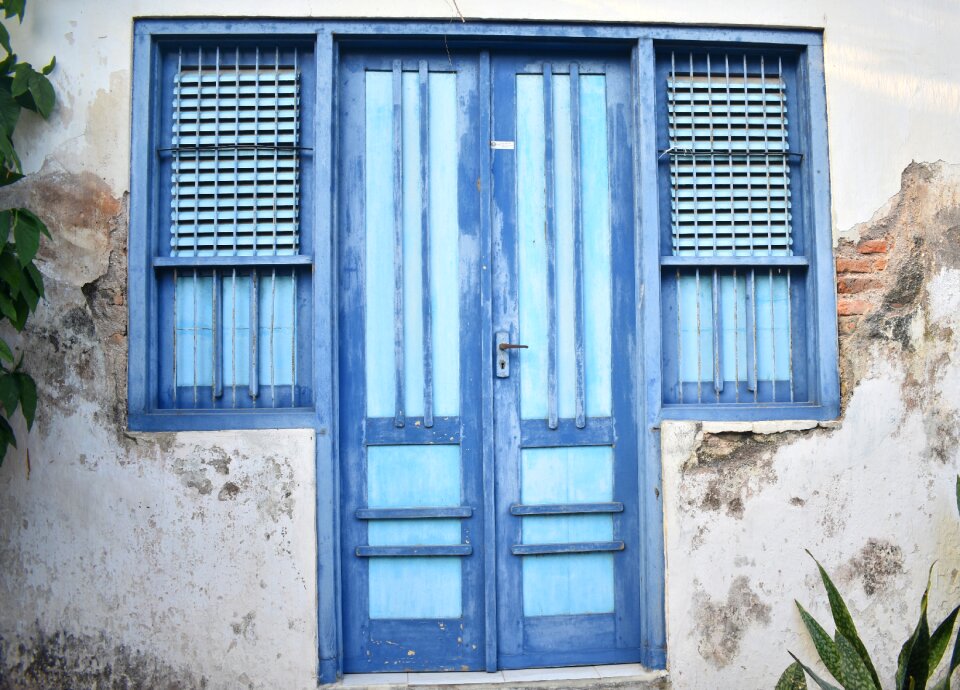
x=616, y=677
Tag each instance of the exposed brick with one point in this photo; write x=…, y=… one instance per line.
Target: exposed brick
x=858, y=283
x=850, y=307
x=873, y=247
x=861, y=264
x=847, y=324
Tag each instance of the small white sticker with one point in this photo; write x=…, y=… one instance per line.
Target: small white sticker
x=506, y=145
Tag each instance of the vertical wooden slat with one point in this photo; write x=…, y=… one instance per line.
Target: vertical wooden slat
x=254, y=334
x=425, y=244
x=751, y=317
x=551, y=246
x=399, y=415
x=578, y=334
x=217, y=307
x=717, y=339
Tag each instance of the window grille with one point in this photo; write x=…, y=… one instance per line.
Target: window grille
x=733, y=270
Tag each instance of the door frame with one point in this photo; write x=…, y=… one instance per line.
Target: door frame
x=650, y=556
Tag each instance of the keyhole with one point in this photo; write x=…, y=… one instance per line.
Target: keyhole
x=503, y=365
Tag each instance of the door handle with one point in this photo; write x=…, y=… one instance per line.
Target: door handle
x=502, y=364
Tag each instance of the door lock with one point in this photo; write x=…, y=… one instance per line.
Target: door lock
x=502, y=365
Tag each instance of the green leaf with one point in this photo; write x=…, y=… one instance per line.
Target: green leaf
x=21, y=79
x=5, y=351
x=825, y=645
x=9, y=108
x=49, y=66
x=7, y=307
x=11, y=272
x=5, y=39
x=29, y=294
x=27, y=213
x=958, y=493
x=14, y=8
x=824, y=685
x=28, y=398
x=792, y=678
x=43, y=95
x=26, y=234
x=23, y=312
x=8, y=177
x=10, y=158
x=9, y=393
x=853, y=672
x=844, y=621
x=35, y=277
x=916, y=662
x=940, y=639
x=6, y=217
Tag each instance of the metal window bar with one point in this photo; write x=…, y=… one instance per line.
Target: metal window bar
x=578, y=319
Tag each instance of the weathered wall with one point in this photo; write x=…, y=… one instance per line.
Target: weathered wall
x=188, y=560
x=872, y=496
x=140, y=560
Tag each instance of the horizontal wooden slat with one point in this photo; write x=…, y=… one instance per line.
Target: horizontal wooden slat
x=413, y=513
x=573, y=547
x=420, y=550
x=566, y=508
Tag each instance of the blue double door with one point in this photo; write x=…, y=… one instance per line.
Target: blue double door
x=488, y=360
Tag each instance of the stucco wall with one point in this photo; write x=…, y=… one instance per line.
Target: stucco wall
x=184, y=560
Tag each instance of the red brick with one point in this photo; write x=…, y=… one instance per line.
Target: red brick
x=850, y=307
x=848, y=285
x=873, y=247
x=861, y=264
x=848, y=324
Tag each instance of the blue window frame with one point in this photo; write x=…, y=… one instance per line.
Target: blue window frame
x=229, y=242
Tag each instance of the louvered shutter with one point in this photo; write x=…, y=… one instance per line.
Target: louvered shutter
x=235, y=161
x=728, y=148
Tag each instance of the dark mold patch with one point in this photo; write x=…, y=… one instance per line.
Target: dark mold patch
x=228, y=492
x=80, y=662
x=722, y=625
x=877, y=564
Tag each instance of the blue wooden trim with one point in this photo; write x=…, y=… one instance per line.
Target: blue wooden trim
x=578, y=335
x=254, y=334
x=649, y=384
x=215, y=420
x=139, y=299
x=398, y=241
x=551, y=246
x=425, y=244
x=345, y=29
x=573, y=547
x=412, y=513
x=748, y=412
x=734, y=261
x=324, y=359
x=597, y=431
x=383, y=431
x=825, y=336
x=402, y=551
x=567, y=508
x=230, y=261
x=487, y=365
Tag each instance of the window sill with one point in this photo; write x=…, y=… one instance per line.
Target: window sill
x=217, y=420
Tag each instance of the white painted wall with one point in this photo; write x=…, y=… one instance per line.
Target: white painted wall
x=893, y=76
x=122, y=534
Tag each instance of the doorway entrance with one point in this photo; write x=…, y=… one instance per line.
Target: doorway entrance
x=488, y=360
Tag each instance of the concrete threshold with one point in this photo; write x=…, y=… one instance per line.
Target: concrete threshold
x=612, y=677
